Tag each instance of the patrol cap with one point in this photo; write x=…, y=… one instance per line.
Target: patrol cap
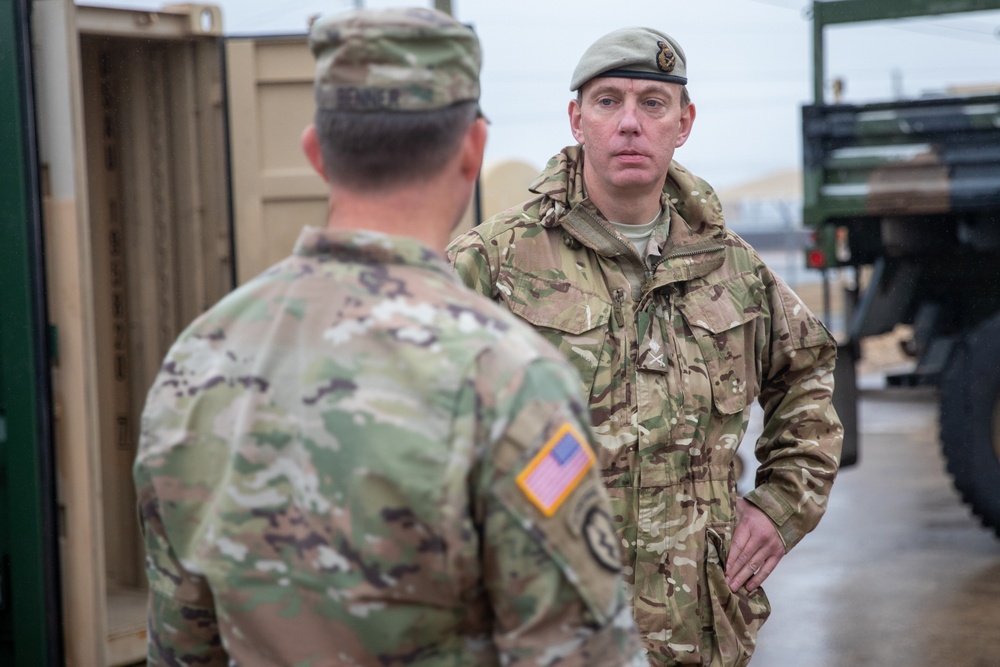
x=400, y=59
x=632, y=53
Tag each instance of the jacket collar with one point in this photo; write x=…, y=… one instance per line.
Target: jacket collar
x=697, y=227
x=695, y=210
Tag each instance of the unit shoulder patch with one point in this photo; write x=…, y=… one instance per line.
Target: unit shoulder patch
x=599, y=533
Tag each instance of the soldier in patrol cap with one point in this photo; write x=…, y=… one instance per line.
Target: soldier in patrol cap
x=355, y=460
x=622, y=259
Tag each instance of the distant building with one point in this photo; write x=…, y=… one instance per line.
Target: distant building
x=767, y=212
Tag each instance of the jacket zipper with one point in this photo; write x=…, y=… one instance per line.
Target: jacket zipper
x=620, y=307
x=684, y=253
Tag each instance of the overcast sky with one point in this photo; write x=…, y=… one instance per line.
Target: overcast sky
x=749, y=65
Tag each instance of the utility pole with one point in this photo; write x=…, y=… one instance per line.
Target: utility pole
x=443, y=6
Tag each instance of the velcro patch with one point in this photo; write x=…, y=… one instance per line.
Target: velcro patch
x=556, y=470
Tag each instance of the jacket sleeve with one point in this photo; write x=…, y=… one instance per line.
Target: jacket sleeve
x=799, y=448
x=553, y=580
x=475, y=266
x=181, y=622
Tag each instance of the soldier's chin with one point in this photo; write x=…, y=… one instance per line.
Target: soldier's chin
x=636, y=178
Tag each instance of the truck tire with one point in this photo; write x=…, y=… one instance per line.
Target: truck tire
x=970, y=421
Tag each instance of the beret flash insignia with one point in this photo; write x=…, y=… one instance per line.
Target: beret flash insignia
x=665, y=59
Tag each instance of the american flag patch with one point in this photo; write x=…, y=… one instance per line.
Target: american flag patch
x=556, y=470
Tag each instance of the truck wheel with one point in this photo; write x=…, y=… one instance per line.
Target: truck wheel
x=970, y=421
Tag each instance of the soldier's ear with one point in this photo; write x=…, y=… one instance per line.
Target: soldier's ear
x=472, y=150
x=574, y=120
x=687, y=122
x=310, y=146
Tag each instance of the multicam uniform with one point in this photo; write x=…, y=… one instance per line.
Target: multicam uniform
x=673, y=348
x=333, y=470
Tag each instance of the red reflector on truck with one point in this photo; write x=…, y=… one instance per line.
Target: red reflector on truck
x=816, y=259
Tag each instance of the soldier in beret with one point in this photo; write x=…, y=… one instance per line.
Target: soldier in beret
x=622, y=260
x=355, y=460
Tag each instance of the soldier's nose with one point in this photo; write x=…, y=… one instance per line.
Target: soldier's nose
x=628, y=122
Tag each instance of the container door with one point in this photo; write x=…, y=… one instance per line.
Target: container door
x=132, y=137
x=30, y=631
x=275, y=191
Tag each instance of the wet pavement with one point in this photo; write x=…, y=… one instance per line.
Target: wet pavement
x=898, y=573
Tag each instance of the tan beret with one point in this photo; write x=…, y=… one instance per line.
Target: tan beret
x=632, y=53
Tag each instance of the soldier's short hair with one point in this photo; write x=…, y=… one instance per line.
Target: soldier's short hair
x=375, y=150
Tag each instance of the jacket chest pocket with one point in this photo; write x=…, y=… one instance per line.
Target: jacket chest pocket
x=722, y=317
x=573, y=319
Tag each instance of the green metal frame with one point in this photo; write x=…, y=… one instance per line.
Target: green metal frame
x=859, y=11
x=30, y=632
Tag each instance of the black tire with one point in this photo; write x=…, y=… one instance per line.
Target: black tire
x=970, y=421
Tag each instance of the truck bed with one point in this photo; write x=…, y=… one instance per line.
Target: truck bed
x=903, y=158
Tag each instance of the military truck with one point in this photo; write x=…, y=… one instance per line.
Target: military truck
x=904, y=196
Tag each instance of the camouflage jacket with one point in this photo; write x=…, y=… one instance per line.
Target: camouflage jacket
x=672, y=349
x=354, y=460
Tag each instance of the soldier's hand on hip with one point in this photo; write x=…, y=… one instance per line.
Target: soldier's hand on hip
x=756, y=548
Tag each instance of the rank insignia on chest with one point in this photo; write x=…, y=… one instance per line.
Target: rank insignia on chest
x=556, y=470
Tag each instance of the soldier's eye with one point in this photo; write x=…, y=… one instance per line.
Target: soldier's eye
x=605, y=102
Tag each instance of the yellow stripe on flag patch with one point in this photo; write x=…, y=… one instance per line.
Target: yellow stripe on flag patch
x=556, y=470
